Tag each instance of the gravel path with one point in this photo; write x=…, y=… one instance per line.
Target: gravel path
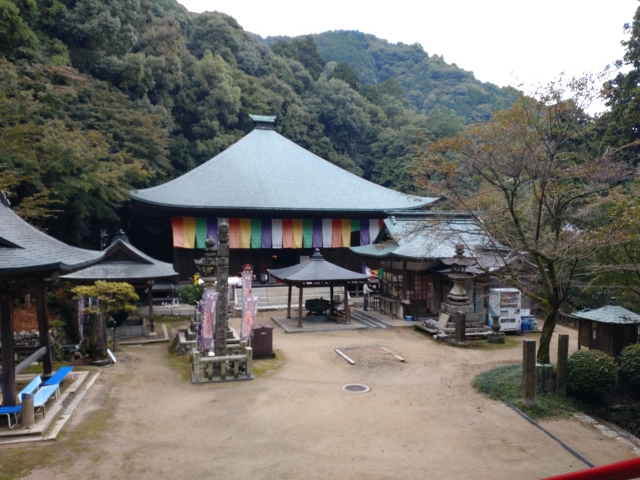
x=421, y=419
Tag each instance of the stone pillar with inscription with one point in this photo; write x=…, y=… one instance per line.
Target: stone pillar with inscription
x=222, y=321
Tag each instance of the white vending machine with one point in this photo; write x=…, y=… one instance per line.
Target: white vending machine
x=507, y=303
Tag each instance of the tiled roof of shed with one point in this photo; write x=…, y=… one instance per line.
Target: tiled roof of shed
x=123, y=262
x=24, y=248
x=612, y=313
x=264, y=172
x=316, y=269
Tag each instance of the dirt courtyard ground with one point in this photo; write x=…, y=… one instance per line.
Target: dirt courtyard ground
x=421, y=419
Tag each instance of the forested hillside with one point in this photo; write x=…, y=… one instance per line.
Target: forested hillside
x=98, y=97
x=427, y=82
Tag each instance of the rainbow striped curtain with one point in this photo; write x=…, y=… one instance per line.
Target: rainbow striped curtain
x=192, y=232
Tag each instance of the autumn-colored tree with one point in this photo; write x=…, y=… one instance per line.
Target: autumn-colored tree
x=534, y=185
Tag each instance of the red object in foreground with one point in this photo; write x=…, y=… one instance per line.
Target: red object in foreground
x=625, y=470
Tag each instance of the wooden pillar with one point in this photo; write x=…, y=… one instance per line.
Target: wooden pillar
x=43, y=328
x=8, y=359
x=152, y=326
x=300, y=289
x=347, y=314
x=529, y=372
x=333, y=309
x=563, y=359
x=289, y=302
x=460, y=332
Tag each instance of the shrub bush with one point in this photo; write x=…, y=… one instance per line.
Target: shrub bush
x=592, y=374
x=190, y=294
x=630, y=365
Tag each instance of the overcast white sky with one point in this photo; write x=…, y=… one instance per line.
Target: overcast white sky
x=505, y=42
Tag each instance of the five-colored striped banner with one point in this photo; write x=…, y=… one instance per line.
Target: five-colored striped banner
x=191, y=232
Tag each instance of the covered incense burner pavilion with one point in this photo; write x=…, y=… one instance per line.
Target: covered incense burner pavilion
x=281, y=202
x=28, y=257
x=317, y=272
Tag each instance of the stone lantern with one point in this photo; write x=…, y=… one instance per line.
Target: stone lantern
x=207, y=265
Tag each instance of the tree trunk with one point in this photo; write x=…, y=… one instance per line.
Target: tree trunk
x=545, y=339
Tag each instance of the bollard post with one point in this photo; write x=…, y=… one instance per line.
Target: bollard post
x=529, y=372
x=563, y=358
x=27, y=415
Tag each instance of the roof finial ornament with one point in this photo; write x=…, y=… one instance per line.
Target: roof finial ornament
x=316, y=255
x=263, y=122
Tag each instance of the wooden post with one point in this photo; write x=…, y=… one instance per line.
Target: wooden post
x=8, y=359
x=300, y=290
x=563, y=358
x=347, y=313
x=289, y=302
x=43, y=329
x=529, y=372
x=460, y=335
x=152, y=326
x=332, y=310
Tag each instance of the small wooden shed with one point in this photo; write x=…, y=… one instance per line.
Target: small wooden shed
x=609, y=329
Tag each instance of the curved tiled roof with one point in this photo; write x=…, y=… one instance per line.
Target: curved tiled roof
x=123, y=262
x=265, y=172
x=316, y=270
x=24, y=248
x=612, y=313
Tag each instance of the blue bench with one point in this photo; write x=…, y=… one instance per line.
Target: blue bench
x=57, y=378
x=42, y=396
x=31, y=387
x=8, y=412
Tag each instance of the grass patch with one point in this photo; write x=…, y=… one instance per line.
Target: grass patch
x=37, y=369
x=509, y=342
x=172, y=319
x=181, y=364
x=265, y=366
x=505, y=383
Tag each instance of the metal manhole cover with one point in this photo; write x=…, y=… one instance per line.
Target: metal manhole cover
x=355, y=388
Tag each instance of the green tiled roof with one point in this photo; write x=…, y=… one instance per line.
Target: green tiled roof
x=264, y=173
x=612, y=313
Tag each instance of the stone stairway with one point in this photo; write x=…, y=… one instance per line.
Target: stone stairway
x=275, y=297
x=368, y=320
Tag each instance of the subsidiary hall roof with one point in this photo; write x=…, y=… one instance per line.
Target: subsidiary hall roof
x=427, y=235
x=264, y=172
x=316, y=270
x=612, y=313
x=25, y=249
x=122, y=262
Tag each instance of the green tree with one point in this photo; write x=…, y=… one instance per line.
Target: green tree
x=621, y=125
x=344, y=72
x=304, y=50
x=539, y=189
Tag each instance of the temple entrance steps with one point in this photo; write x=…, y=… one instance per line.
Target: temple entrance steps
x=275, y=297
x=366, y=319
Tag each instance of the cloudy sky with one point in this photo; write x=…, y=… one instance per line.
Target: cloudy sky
x=505, y=42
